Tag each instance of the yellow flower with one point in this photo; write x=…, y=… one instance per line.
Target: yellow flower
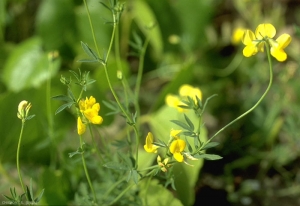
x=149, y=146
x=189, y=91
x=237, y=35
x=264, y=33
x=175, y=133
x=176, y=148
x=80, y=126
x=174, y=101
x=184, y=92
x=90, y=109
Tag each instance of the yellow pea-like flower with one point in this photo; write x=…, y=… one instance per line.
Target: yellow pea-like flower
x=149, y=146
x=176, y=148
x=264, y=34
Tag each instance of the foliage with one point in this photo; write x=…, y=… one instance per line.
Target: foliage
x=129, y=56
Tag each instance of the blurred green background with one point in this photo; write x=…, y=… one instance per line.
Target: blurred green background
x=191, y=43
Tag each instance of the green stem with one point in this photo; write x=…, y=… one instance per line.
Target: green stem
x=92, y=27
x=121, y=194
x=139, y=75
x=254, y=106
x=49, y=117
x=95, y=144
x=112, y=188
x=86, y=171
x=18, y=154
x=104, y=63
x=84, y=165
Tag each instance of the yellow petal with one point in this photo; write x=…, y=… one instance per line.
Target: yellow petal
x=172, y=100
x=177, y=146
x=283, y=40
x=149, y=147
x=174, y=133
x=80, y=126
x=237, y=36
x=185, y=90
x=250, y=50
x=178, y=157
x=248, y=37
x=265, y=30
x=97, y=120
x=279, y=54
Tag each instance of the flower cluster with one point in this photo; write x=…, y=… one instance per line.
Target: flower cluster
x=176, y=147
x=89, y=108
x=184, y=92
x=264, y=33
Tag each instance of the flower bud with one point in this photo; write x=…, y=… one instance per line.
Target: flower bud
x=158, y=159
x=119, y=75
x=23, y=109
x=163, y=169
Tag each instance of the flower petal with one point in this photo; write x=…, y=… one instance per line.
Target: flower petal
x=149, y=147
x=178, y=157
x=283, y=40
x=279, y=54
x=265, y=30
x=248, y=37
x=80, y=126
x=250, y=50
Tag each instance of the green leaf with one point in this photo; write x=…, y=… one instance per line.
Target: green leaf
x=28, y=66
x=55, y=23
x=208, y=156
x=135, y=176
x=90, y=52
x=71, y=154
x=64, y=106
x=115, y=166
x=157, y=194
x=182, y=125
x=30, y=117
x=39, y=197
x=88, y=60
x=190, y=123
x=30, y=190
x=144, y=16
x=62, y=98
x=105, y=6
x=210, y=145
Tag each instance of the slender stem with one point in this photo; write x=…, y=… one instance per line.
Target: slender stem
x=92, y=27
x=18, y=154
x=104, y=63
x=140, y=74
x=121, y=194
x=116, y=184
x=49, y=116
x=86, y=171
x=84, y=164
x=252, y=108
x=95, y=144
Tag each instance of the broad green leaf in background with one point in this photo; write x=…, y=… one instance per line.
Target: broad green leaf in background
x=99, y=16
x=185, y=176
x=144, y=17
x=157, y=194
x=55, y=23
x=27, y=66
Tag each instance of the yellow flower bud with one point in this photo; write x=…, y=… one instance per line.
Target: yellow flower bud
x=23, y=109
